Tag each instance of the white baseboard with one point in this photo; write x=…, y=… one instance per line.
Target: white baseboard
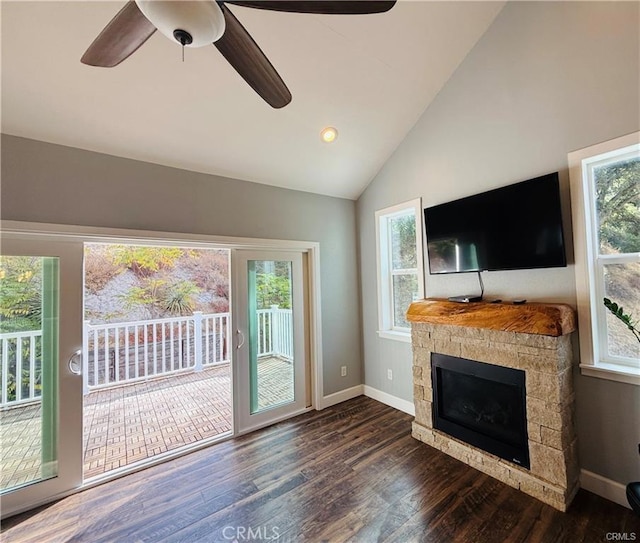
x=606, y=488
x=341, y=396
x=388, y=399
x=359, y=390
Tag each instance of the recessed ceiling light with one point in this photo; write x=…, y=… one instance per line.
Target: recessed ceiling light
x=329, y=134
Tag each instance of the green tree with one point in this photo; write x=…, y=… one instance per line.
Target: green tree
x=145, y=261
x=618, y=203
x=272, y=289
x=402, y=230
x=403, y=241
x=273, y=284
x=20, y=293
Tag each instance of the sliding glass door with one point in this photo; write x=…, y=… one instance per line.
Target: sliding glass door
x=40, y=385
x=271, y=364
x=261, y=335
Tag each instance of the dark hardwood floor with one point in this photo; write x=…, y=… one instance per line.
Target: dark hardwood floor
x=348, y=473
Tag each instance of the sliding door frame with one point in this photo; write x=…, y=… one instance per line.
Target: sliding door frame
x=62, y=390
x=57, y=232
x=247, y=419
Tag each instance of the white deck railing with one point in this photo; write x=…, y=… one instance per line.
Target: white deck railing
x=114, y=354
x=21, y=371
x=120, y=353
x=125, y=352
x=275, y=329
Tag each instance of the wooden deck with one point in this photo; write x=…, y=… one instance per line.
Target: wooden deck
x=129, y=424
x=351, y=472
x=20, y=445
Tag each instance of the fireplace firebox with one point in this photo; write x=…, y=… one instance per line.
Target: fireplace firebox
x=481, y=404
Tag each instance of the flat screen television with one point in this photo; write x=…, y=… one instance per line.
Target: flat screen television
x=514, y=227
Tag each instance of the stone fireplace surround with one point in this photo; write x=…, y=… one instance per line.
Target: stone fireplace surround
x=530, y=337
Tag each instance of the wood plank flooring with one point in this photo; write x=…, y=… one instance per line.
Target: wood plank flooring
x=349, y=473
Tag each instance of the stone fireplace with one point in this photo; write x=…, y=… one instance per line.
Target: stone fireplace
x=532, y=338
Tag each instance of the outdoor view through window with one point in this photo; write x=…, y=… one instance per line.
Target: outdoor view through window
x=404, y=267
x=157, y=343
x=156, y=354
x=28, y=358
x=617, y=199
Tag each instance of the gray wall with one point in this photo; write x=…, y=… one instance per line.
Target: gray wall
x=42, y=182
x=546, y=78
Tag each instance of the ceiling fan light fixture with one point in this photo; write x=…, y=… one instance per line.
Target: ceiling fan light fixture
x=329, y=134
x=200, y=19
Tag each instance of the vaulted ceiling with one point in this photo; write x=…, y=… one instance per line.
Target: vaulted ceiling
x=370, y=76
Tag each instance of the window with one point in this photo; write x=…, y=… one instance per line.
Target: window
x=605, y=187
x=400, y=265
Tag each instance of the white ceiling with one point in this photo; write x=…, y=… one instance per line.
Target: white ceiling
x=371, y=76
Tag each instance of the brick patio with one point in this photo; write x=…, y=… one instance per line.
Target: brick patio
x=131, y=423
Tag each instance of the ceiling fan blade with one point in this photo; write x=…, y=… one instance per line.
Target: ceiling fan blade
x=329, y=7
x=124, y=34
x=238, y=47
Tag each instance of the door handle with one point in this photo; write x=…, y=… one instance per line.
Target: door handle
x=242, y=337
x=75, y=363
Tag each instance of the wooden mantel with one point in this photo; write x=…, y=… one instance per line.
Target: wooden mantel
x=529, y=318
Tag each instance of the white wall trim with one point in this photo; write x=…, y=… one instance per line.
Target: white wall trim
x=98, y=234
x=315, y=326
x=612, y=372
x=395, y=335
x=588, y=268
x=341, y=396
x=388, y=399
x=603, y=487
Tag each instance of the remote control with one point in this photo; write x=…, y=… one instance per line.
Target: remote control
x=519, y=301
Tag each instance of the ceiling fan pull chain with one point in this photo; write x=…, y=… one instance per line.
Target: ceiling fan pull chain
x=183, y=38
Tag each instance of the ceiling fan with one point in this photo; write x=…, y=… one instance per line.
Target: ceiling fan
x=195, y=23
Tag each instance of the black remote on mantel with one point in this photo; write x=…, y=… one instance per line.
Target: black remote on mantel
x=519, y=301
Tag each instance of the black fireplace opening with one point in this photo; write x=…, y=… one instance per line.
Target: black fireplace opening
x=481, y=404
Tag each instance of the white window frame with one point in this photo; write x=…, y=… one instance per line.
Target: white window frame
x=386, y=328
x=589, y=264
